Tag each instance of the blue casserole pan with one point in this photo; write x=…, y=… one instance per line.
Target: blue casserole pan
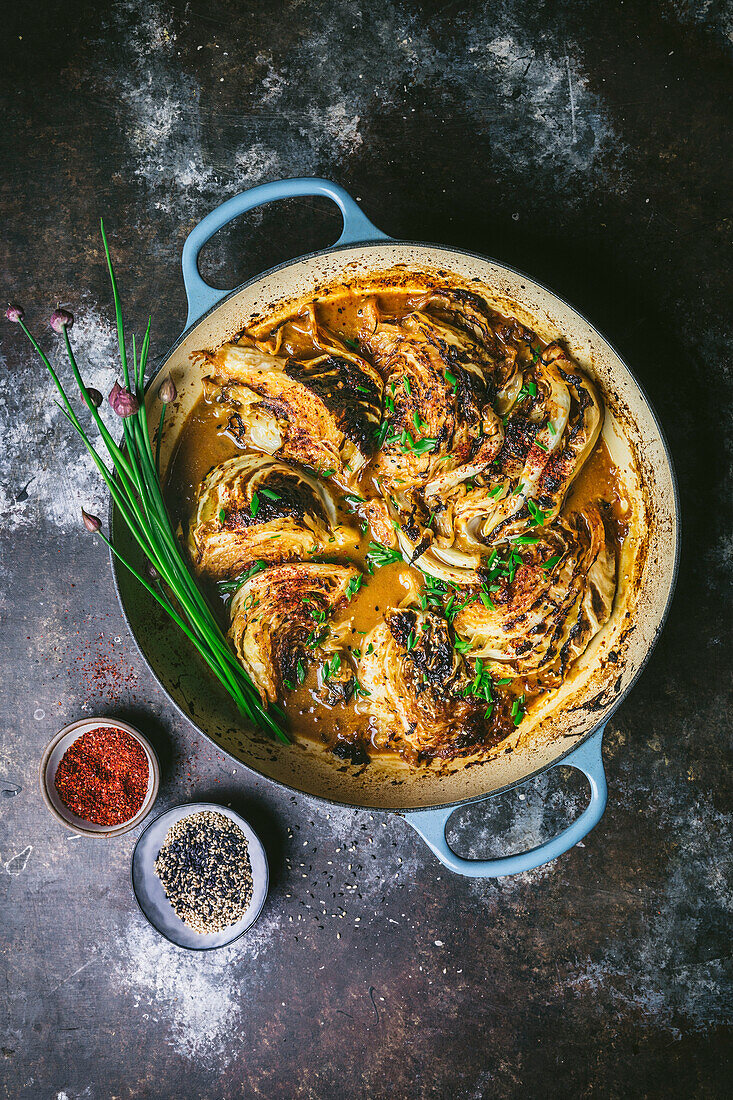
x=571, y=731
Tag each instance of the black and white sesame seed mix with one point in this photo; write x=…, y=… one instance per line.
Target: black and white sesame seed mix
x=205, y=870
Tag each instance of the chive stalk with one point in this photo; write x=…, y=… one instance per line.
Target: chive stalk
x=135, y=488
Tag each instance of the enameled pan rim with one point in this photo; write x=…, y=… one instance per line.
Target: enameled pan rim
x=611, y=708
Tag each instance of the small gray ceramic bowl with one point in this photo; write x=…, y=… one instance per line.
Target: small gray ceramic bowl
x=150, y=895
x=52, y=758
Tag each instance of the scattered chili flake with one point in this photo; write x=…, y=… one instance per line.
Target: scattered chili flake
x=103, y=776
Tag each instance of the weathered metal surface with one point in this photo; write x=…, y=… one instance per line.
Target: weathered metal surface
x=584, y=144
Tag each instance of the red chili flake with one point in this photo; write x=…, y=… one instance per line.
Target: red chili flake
x=103, y=776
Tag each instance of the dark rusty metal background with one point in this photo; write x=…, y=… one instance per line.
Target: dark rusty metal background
x=586, y=143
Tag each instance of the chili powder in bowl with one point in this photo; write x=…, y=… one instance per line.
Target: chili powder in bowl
x=100, y=777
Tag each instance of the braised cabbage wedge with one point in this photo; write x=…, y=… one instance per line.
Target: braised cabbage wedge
x=321, y=409
x=418, y=688
x=439, y=426
x=281, y=621
x=253, y=508
x=543, y=615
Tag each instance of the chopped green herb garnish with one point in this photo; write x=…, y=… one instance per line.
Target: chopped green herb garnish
x=227, y=587
x=527, y=390
x=331, y=668
x=254, y=504
x=222, y=515
x=482, y=685
x=269, y=494
x=537, y=515
x=381, y=433
x=498, y=568
x=317, y=613
x=452, y=608
x=354, y=585
x=451, y=379
x=322, y=629
x=435, y=591
x=379, y=555
x=551, y=562
x=317, y=636
x=423, y=446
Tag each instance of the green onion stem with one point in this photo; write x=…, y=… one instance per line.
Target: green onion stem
x=137, y=494
x=118, y=308
x=158, y=440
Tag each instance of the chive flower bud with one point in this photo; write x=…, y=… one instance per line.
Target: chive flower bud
x=122, y=401
x=14, y=314
x=92, y=523
x=167, y=391
x=152, y=572
x=94, y=396
x=61, y=319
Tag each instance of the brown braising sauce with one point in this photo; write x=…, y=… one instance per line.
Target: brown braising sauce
x=205, y=442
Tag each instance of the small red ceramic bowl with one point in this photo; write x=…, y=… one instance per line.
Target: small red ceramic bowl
x=52, y=758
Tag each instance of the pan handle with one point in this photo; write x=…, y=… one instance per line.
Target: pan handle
x=201, y=296
x=587, y=758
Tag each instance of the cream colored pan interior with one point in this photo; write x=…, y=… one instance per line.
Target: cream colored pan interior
x=609, y=665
